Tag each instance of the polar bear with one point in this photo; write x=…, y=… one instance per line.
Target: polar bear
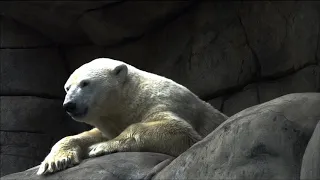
x=131, y=110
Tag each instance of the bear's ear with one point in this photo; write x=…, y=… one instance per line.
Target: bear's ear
x=121, y=71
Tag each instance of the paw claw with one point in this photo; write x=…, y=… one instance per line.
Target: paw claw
x=43, y=167
x=58, y=165
x=98, y=150
x=57, y=161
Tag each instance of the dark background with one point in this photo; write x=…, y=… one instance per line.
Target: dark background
x=232, y=54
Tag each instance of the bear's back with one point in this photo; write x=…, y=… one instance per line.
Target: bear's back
x=171, y=96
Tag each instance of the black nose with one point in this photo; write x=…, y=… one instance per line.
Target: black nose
x=70, y=107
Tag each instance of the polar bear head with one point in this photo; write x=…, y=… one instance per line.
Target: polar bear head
x=93, y=88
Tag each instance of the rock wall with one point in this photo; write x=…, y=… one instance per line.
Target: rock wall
x=232, y=54
x=32, y=77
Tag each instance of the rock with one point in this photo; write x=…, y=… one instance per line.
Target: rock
x=38, y=71
x=311, y=158
x=241, y=100
x=216, y=103
x=195, y=50
x=283, y=36
x=14, y=34
x=110, y=25
x=202, y=70
x=266, y=141
x=305, y=80
x=14, y=163
x=56, y=20
x=22, y=150
x=29, y=127
x=33, y=114
x=77, y=56
x=125, y=165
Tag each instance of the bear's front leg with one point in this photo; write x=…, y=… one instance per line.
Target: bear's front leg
x=65, y=153
x=170, y=137
x=112, y=146
x=69, y=151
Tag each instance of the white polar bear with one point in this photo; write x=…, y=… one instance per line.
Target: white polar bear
x=131, y=110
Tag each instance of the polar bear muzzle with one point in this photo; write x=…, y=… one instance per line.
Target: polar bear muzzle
x=74, y=110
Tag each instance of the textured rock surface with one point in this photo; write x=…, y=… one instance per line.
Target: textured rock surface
x=130, y=165
x=31, y=89
x=311, y=159
x=22, y=150
x=56, y=20
x=266, y=141
x=196, y=50
x=201, y=47
x=140, y=17
x=29, y=127
x=239, y=101
x=217, y=103
x=305, y=80
x=32, y=71
x=14, y=34
x=33, y=114
x=283, y=36
x=78, y=56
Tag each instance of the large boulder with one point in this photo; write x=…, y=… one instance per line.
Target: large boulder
x=22, y=150
x=266, y=141
x=128, y=165
x=310, y=168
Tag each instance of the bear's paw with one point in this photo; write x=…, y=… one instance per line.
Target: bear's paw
x=59, y=160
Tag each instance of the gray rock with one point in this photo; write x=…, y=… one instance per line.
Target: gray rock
x=266, y=141
x=29, y=127
x=111, y=25
x=22, y=150
x=305, y=80
x=14, y=34
x=311, y=158
x=77, y=56
x=283, y=36
x=56, y=20
x=216, y=103
x=32, y=114
x=241, y=100
x=195, y=50
x=128, y=165
x=32, y=71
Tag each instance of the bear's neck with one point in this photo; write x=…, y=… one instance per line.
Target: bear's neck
x=133, y=106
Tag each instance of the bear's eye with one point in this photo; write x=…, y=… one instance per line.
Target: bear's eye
x=67, y=88
x=84, y=84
